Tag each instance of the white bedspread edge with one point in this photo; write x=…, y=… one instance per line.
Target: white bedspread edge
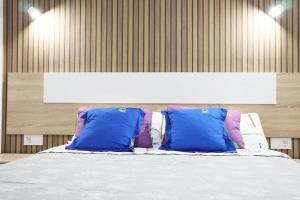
x=155, y=151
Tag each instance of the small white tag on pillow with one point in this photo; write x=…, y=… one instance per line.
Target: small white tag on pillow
x=122, y=110
x=204, y=110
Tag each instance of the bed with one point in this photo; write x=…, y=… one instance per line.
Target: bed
x=145, y=173
x=151, y=174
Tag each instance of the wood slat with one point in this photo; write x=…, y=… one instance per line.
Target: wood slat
x=179, y=32
x=157, y=21
x=173, y=36
x=216, y=36
x=201, y=35
x=233, y=34
x=190, y=35
x=295, y=37
x=109, y=25
x=88, y=37
x=23, y=148
x=245, y=36
x=77, y=35
x=239, y=41
x=163, y=35
x=14, y=66
x=93, y=39
x=7, y=143
x=20, y=38
x=25, y=41
x=184, y=37
x=252, y=23
x=56, y=37
x=51, y=38
x=168, y=36
x=135, y=36
x=72, y=32
x=278, y=48
x=211, y=33
x=45, y=142
x=13, y=143
x=228, y=36
x=130, y=36
x=62, y=35
x=296, y=148
x=125, y=36
x=140, y=36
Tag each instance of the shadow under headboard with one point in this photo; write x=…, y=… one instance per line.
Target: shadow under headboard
x=27, y=114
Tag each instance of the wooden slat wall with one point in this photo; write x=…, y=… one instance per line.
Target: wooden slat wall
x=151, y=35
x=148, y=35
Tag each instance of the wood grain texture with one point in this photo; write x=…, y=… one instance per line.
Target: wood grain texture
x=6, y=158
x=153, y=35
x=26, y=112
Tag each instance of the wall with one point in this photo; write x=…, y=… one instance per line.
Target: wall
x=1, y=71
x=148, y=35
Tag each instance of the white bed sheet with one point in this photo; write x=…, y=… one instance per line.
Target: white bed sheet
x=156, y=151
x=79, y=175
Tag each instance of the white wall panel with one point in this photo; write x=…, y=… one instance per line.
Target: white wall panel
x=183, y=88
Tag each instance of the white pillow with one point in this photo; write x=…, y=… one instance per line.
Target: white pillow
x=157, y=128
x=252, y=132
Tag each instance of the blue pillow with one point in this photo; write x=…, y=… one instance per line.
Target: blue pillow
x=109, y=129
x=197, y=130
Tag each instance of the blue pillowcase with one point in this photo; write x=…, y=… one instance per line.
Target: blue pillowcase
x=109, y=129
x=197, y=130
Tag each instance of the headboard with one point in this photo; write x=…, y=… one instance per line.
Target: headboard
x=28, y=114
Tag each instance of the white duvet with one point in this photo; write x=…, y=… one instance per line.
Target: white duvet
x=156, y=151
x=150, y=174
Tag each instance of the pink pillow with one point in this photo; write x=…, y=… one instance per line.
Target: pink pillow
x=143, y=140
x=232, y=123
x=80, y=122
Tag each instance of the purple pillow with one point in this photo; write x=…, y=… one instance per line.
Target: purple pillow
x=232, y=123
x=143, y=140
x=80, y=122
